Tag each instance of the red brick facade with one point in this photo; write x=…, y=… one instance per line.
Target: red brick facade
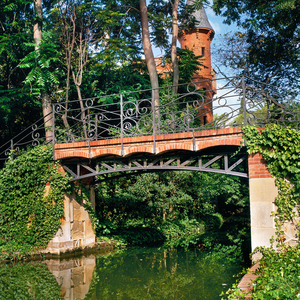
x=199, y=42
x=257, y=166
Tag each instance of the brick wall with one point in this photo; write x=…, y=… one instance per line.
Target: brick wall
x=144, y=144
x=258, y=166
x=198, y=41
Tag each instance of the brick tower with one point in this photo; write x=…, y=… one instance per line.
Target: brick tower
x=198, y=40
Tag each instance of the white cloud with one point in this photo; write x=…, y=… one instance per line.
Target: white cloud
x=216, y=27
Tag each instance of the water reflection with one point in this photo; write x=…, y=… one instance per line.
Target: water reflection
x=139, y=273
x=163, y=274
x=73, y=276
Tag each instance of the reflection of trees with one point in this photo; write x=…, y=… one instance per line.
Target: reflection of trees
x=144, y=273
x=160, y=274
x=27, y=281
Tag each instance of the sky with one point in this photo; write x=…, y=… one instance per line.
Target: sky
x=217, y=22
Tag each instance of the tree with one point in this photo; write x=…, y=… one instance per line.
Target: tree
x=148, y=51
x=15, y=100
x=45, y=98
x=272, y=32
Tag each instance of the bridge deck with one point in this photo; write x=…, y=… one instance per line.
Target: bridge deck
x=191, y=141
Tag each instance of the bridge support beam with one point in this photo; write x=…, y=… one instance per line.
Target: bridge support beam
x=262, y=191
x=76, y=229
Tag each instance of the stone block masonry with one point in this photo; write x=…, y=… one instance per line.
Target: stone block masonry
x=76, y=229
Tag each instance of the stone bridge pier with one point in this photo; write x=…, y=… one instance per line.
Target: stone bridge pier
x=76, y=229
x=262, y=192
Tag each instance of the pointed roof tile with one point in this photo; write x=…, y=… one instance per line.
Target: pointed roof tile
x=201, y=17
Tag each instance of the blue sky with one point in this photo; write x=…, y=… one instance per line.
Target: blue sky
x=217, y=22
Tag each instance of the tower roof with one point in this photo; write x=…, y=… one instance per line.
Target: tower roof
x=200, y=17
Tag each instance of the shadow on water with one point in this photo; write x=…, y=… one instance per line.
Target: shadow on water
x=137, y=273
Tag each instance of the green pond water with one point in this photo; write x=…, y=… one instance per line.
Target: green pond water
x=137, y=273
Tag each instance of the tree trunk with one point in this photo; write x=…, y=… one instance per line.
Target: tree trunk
x=46, y=101
x=148, y=51
x=173, y=46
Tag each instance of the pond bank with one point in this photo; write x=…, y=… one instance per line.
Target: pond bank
x=99, y=247
x=245, y=285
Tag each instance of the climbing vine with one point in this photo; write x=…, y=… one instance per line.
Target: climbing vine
x=279, y=271
x=280, y=147
x=31, y=201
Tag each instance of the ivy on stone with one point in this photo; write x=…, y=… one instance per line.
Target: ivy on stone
x=280, y=147
x=29, y=212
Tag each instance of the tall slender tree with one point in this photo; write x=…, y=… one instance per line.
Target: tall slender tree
x=148, y=50
x=46, y=100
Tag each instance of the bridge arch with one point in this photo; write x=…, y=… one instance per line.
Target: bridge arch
x=225, y=159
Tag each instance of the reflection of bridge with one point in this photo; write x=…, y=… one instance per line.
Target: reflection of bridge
x=127, y=132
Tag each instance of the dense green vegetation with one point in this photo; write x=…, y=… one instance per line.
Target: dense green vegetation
x=181, y=209
x=280, y=147
x=279, y=270
x=30, y=216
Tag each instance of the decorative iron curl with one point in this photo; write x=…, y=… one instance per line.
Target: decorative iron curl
x=225, y=102
x=59, y=108
x=101, y=117
x=8, y=151
x=35, y=136
x=137, y=109
x=251, y=119
x=92, y=130
x=130, y=127
x=199, y=103
x=12, y=151
x=89, y=103
x=191, y=85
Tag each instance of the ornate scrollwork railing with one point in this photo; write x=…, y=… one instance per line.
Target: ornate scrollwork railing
x=237, y=101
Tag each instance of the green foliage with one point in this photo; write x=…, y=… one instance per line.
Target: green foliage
x=180, y=208
x=27, y=281
x=271, y=30
x=43, y=64
x=30, y=212
x=280, y=147
x=188, y=64
x=279, y=275
x=183, y=232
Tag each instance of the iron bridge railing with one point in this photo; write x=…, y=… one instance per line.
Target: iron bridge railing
x=229, y=102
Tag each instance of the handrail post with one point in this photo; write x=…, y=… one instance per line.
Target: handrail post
x=153, y=120
x=188, y=116
x=244, y=100
x=12, y=148
x=53, y=131
x=122, y=125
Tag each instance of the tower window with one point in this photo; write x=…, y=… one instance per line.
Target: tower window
x=203, y=51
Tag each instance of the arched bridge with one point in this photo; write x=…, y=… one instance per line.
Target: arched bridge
x=189, y=131
x=205, y=151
